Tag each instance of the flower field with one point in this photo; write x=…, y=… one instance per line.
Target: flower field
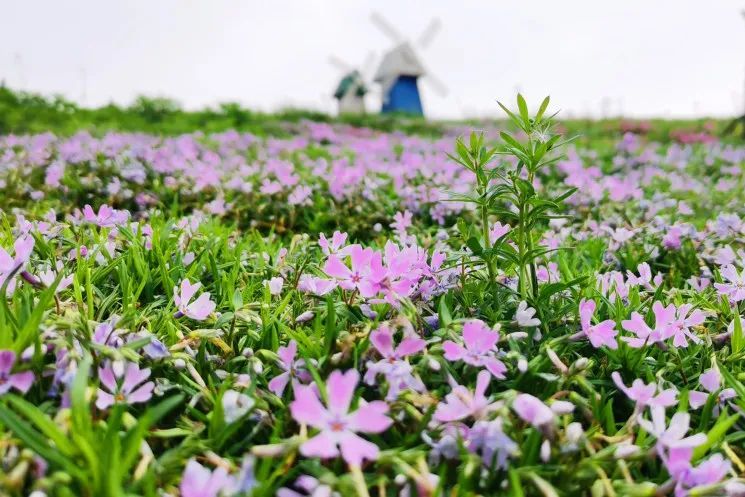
x=347, y=311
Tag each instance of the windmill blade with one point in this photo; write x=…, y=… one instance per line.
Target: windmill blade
x=429, y=33
x=436, y=84
x=339, y=63
x=367, y=65
x=386, y=28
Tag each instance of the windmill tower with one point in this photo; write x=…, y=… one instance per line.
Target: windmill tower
x=351, y=90
x=401, y=69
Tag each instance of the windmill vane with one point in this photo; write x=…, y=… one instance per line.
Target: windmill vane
x=398, y=74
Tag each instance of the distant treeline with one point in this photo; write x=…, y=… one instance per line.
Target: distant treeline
x=24, y=112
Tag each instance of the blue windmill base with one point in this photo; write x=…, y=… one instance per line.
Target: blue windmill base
x=403, y=97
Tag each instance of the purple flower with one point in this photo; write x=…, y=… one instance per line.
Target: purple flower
x=670, y=436
x=711, y=380
x=734, y=285
x=644, y=395
x=20, y=381
x=197, y=310
x=275, y=285
x=532, y=410
x=310, y=487
x=198, y=481
x=711, y=471
x=106, y=334
x=123, y=384
x=480, y=348
x=461, y=403
x=397, y=371
x=599, y=334
x=495, y=446
x=338, y=426
x=292, y=369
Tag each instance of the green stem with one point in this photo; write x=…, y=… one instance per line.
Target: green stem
x=487, y=242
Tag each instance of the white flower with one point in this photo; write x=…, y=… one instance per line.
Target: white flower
x=306, y=316
x=524, y=315
x=275, y=285
x=235, y=405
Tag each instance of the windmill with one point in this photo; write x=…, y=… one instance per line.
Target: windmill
x=352, y=88
x=401, y=68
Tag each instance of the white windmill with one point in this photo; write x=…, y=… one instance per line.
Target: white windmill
x=401, y=68
x=352, y=87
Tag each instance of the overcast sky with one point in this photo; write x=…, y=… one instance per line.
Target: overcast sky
x=640, y=57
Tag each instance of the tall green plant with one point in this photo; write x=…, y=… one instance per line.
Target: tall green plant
x=506, y=192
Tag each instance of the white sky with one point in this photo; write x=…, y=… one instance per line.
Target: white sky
x=642, y=57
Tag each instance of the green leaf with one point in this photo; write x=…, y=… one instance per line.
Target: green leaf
x=523, y=107
x=43, y=422
x=516, y=487
x=542, y=109
x=36, y=442
x=738, y=340
x=237, y=299
x=331, y=330
x=30, y=330
x=474, y=244
x=716, y=434
x=444, y=312
x=545, y=487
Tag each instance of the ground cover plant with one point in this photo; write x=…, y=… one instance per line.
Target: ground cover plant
x=347, y=311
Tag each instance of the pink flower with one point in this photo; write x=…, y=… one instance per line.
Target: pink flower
x=548, y=273
x=393, y=280
x=461, y=403
x=734, y=286
x=198, y=481
x=679, y=328
x=123, y=383
x=644, y=334
x=19, y=381
x=645, y=277
x=354, y=278
x=338, y=426
x=670, y=436
x=334, y=245
x=532, y=410
x=197, y=310
x=599, y=334
x=711, y=380
x=23, y=248
x=106, y=216
x=497, y=231
x=646, y=395
x=397, y=371
x=316, y=286
x=480, y=348
x=292, y=369
x=401, y=222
